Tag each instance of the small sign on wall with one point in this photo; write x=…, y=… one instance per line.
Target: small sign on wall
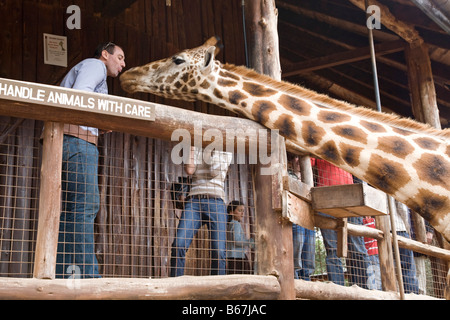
x=55, y=50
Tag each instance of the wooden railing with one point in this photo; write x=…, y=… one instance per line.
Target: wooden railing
x=280, y=201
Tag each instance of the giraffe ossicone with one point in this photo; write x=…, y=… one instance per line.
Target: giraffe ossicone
x=404, y=158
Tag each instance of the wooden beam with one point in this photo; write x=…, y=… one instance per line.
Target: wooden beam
x=438, y=11
x=424, y=248
x=421, y=83
x=385, y=254
x=315, y=290
x=403, y=29
x=180, y=288
x=342, y=58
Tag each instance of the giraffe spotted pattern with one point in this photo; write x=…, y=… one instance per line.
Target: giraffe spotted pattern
x=407, y=160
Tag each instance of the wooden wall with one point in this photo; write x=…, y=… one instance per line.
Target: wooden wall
x=136, y=223
x=148, y=30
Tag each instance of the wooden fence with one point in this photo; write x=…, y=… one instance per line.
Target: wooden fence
x=148, y=211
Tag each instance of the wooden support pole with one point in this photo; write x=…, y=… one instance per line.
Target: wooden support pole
x=49, y=202
x=392, y=214
x=342, y=242
x=274, y=242
x=274, y=239
x=385, y=254
x=421, y=84
x=263, y=44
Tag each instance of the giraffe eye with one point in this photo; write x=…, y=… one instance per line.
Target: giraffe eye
x=178, y=61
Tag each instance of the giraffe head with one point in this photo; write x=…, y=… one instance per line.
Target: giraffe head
x=178, y=77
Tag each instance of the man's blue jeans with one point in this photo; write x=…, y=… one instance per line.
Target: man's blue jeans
x=304, y=252
x=358, y=260
x=210, y=211
x=80, y=204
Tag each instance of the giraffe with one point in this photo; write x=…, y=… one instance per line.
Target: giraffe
x=404, y=158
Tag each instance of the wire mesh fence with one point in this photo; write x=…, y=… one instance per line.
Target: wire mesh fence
x=19, y=192
x=146, y=222
x=421, y=274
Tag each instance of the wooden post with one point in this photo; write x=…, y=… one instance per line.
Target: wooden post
x=421, y=84
x=275, y=244
x=385, y=254
x=342, y=239
x=262, y=19
x=274, y=241
x=49, y=202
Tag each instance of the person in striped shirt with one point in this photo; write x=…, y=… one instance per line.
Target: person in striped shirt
x=205, y=204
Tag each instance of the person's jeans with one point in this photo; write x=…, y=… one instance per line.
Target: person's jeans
x=80, y=204
x=410, y=282
x=210, y=211
x=304, y=252
x=357, y=262
x=374, y=273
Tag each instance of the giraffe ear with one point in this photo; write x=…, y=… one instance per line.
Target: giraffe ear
x=209, y=60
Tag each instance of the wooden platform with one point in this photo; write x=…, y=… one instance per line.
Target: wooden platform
x=351, y=200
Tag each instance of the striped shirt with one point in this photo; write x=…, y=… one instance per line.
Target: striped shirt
x=210, y=173
x=371, y=244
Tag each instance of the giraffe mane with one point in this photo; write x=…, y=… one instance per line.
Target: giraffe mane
x=324, y=100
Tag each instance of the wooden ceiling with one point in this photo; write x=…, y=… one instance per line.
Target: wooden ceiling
x=324, y=46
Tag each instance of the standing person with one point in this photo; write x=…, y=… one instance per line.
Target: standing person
x=76, y=254
x=408, y=265
x=204, y=205
x=304, y=240
x=328, y=175
x=238, y=243
x=373, y=271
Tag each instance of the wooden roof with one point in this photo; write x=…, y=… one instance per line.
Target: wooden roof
x=320, y=48
x=324, y=45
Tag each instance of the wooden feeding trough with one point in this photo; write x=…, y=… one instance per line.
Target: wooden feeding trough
x=352, y=200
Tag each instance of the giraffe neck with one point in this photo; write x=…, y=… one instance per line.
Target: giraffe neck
x=411, y=166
